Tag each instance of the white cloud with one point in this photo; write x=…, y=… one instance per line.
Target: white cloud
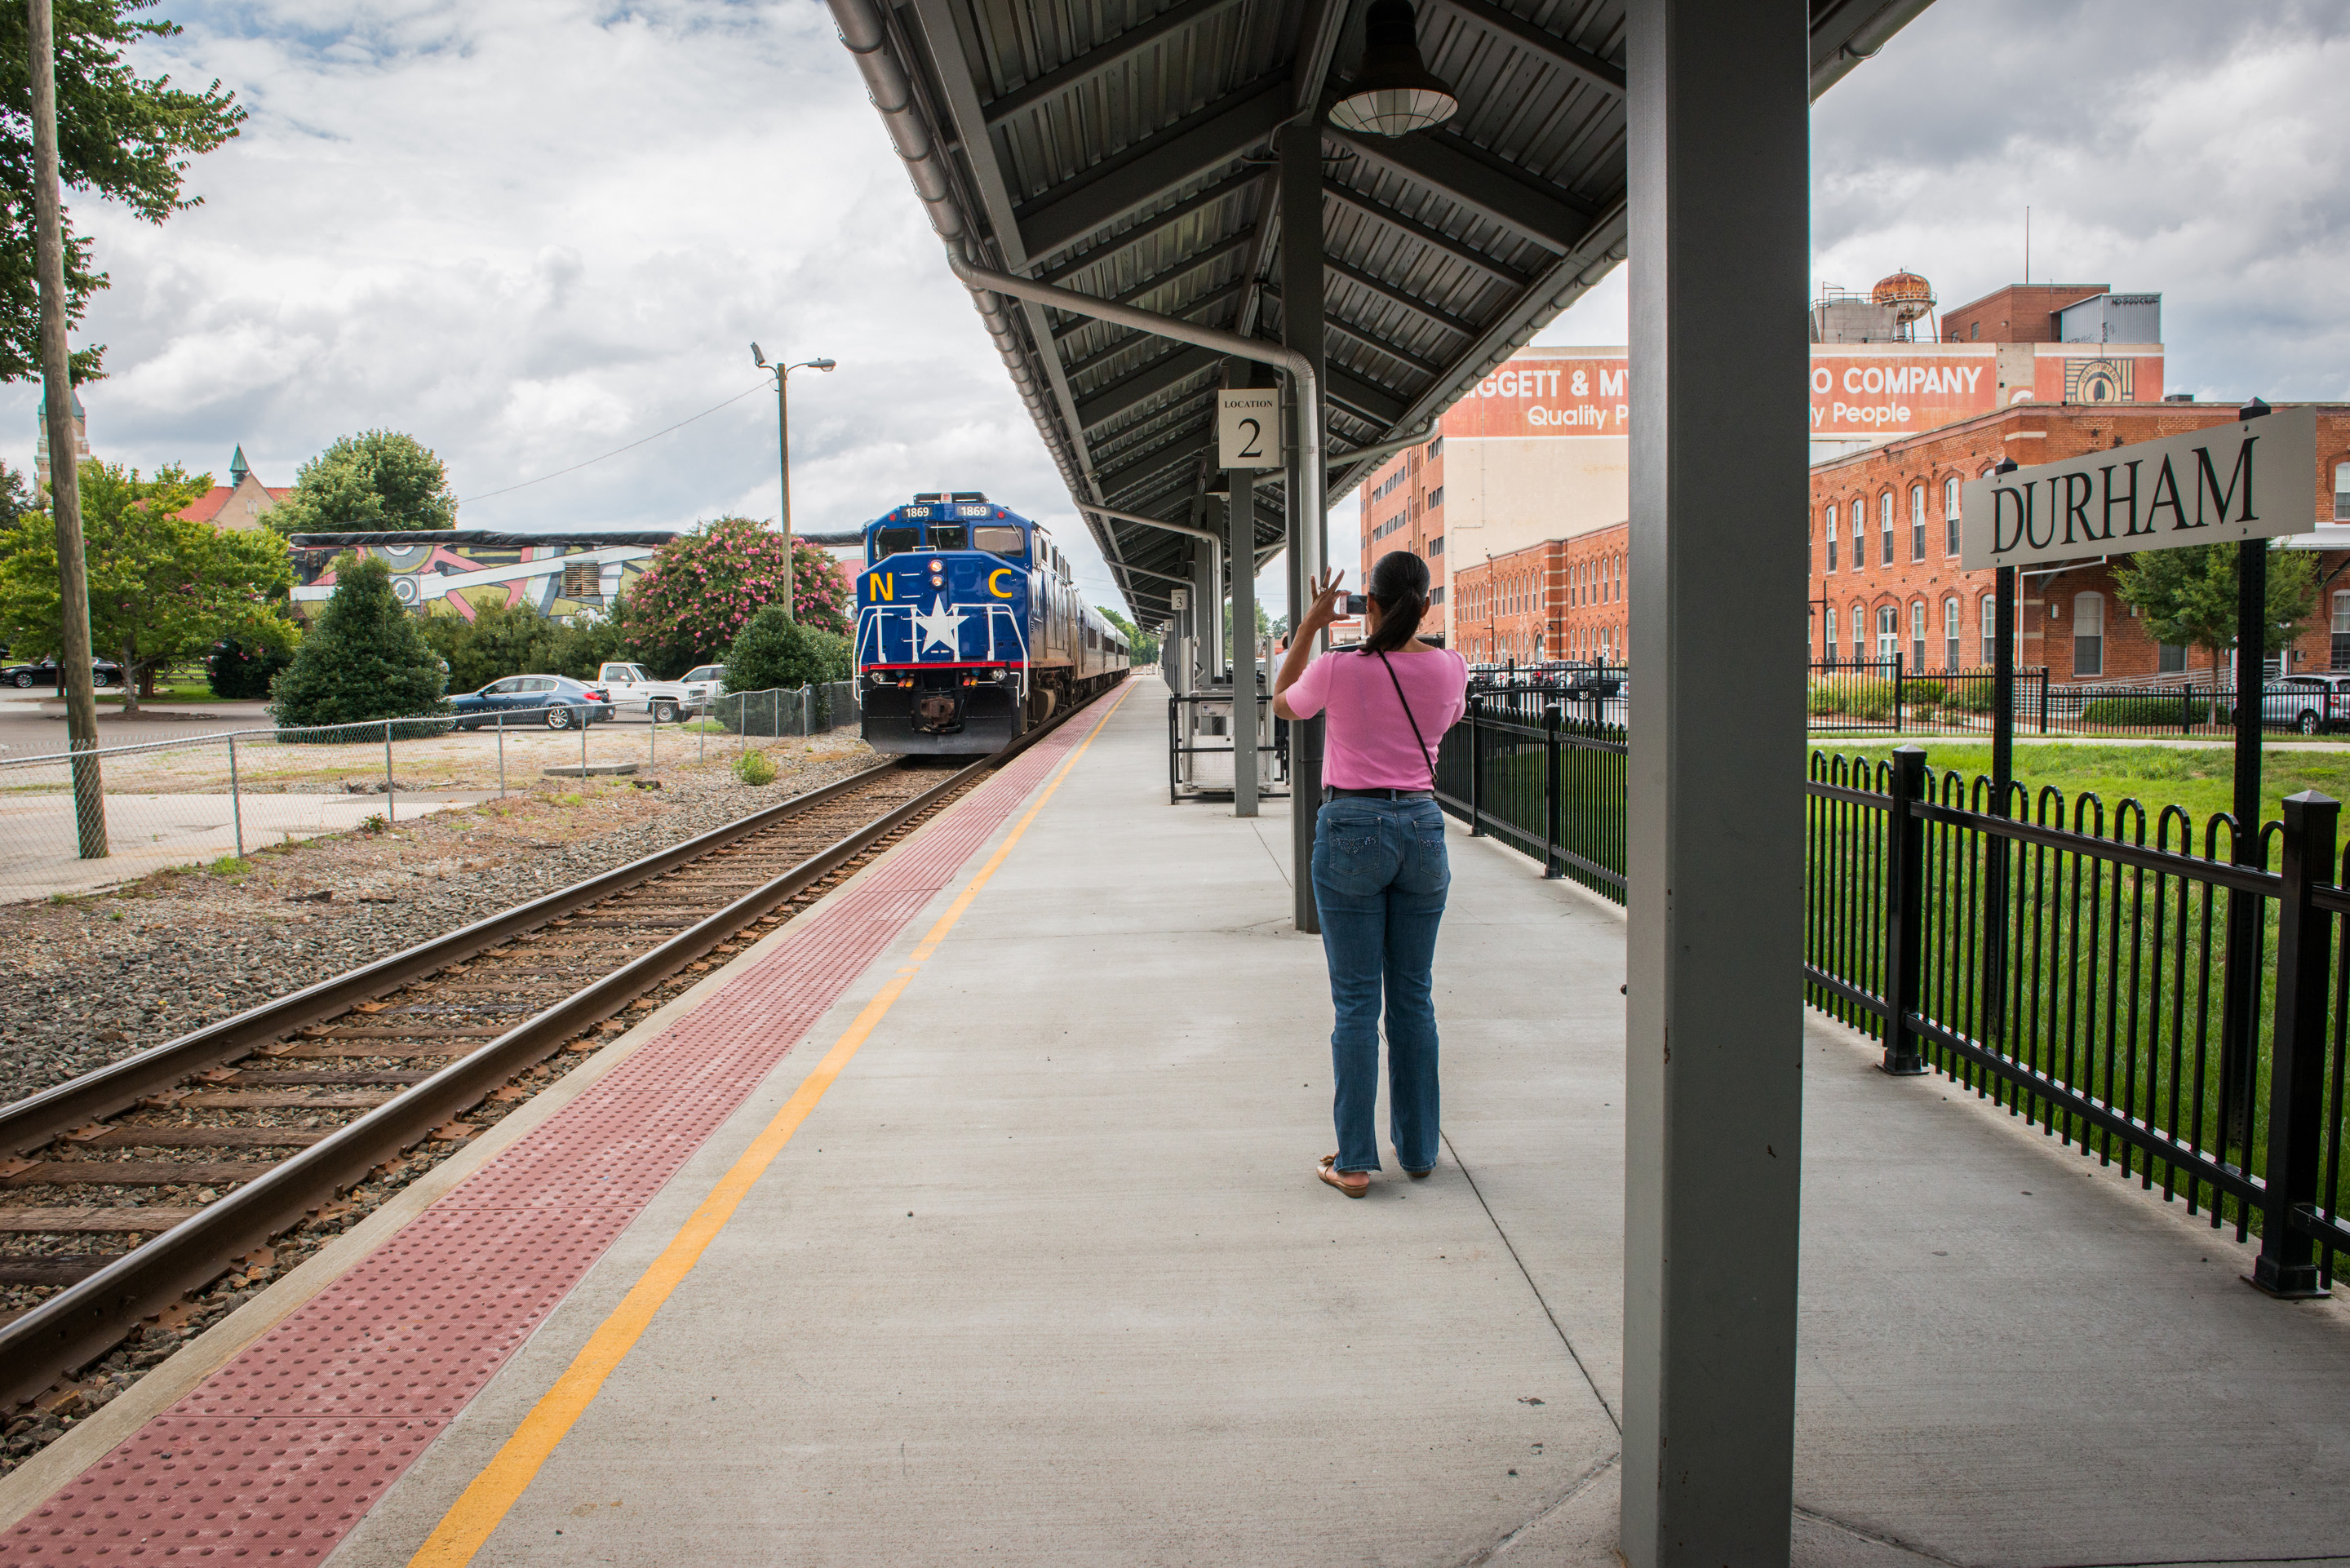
x=534, y=232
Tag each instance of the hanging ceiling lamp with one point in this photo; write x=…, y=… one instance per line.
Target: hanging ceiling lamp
x=1393, y=92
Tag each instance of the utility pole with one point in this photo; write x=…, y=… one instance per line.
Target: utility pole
x=784, y=461
x=65, y=479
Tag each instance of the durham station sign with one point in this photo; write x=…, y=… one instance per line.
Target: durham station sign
x=2227, y=483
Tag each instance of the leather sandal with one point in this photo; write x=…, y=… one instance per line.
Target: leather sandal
x=1328, y=1169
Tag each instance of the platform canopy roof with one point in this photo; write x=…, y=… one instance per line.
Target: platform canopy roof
x=1124, y=149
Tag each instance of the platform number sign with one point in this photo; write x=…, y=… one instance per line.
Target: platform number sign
x=1248, y=430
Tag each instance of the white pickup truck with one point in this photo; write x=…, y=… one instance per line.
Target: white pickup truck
x=634, y=690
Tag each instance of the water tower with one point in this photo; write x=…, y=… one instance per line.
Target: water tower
x=1908, y=296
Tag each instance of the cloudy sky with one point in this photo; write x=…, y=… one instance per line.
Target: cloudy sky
x=533, y=231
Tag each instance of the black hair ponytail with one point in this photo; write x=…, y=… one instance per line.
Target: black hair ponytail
x=1399, y=583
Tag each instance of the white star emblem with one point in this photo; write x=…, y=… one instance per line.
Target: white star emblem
x=942, y=626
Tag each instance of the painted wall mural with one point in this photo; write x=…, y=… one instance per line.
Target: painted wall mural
x=463, y=571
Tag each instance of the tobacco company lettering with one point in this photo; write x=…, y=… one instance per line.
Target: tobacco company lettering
x=2255, y=480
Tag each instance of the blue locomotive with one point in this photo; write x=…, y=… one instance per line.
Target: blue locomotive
x=969, y=629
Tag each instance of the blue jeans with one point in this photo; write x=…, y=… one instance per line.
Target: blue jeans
x=1379, y=877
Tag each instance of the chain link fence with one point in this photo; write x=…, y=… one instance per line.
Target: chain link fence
x=781, y=710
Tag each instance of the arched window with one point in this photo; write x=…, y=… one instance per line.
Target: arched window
x=1950, y=629
x=1917, y=633
x=2342, y=630
x=2342, y=492
x=1827, y=632
x=2088, y=634
x=1884, y=527
x=1989, y=607
x=1950, y=513
x=1859, y=538
x=1859, y=635
x=1916, y=522
x=1832, y=542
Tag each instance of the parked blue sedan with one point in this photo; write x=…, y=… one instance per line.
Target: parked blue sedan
x=556, y=701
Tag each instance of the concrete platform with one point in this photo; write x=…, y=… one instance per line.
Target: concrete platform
x=1016, y=1252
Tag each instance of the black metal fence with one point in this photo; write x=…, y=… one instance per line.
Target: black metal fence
x=1882, y=694
x=1845, y=698
x=1520, y=767
x=2156, y=1002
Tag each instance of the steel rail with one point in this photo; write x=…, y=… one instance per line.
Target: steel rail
x=39, y=1118
x=86, y=1320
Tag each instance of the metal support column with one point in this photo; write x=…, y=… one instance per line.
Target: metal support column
x=1718, y=137
x=1240, y=516
x=1301, y=288
x=2240, y=1026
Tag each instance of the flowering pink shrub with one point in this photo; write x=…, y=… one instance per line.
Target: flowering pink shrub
x=692, y=602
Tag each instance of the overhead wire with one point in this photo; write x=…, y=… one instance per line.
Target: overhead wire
x=468, y=501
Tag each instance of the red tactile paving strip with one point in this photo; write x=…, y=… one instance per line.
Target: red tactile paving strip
x=281, y=1451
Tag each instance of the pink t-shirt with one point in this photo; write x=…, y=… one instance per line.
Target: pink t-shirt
x=1369, y=744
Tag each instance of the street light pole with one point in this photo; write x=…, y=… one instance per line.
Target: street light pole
x=784, y=459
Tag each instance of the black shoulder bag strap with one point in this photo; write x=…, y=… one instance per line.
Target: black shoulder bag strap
x=1412, y=721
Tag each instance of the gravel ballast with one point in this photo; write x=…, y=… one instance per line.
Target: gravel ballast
x=92, y=980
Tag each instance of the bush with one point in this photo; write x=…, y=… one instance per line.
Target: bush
x=1922, y=693
x=239, y=671
x=775, y=651
x=366, y=658
x=2146, y=711
x=1973, y=695
x=754, y=768
x=1864, y=700
x=701, y=588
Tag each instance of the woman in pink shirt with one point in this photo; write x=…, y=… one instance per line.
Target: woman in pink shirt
x=1380, y=870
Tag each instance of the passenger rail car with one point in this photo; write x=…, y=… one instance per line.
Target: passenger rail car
x=970, y=631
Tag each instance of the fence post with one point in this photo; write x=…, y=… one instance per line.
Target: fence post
x=1897, y=690
x=2187, y=709
x=236, y=805
x=390, y=805
x=2287, y=1265
x=2043, y=700
x=502, y=756
x=1476, y=823
x=1552, y=762
x=1905, y=910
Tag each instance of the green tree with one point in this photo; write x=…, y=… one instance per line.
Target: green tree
x=703, y=587
x=374, y=481
x=499, y=642
x=775, y=651
x=161, y=588
x=124, y=136
x=364, y=659
x=240, y=669
x=2187, y=597
x=1141, y=647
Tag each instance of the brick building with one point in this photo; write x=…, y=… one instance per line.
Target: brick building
x=1561, y=598
x=1882, y=542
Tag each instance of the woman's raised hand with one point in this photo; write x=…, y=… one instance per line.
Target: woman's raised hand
x=1327, y=599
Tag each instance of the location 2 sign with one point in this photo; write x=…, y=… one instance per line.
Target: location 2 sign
x=2253, y=480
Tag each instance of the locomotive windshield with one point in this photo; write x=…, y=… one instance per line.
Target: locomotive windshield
x=998, y=541
x=949, y=537
x=897, y=542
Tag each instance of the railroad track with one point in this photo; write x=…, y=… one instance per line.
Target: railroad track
x=130, y=1187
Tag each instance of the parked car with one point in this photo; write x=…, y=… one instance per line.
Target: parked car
x=555, y=701
x=634, y=688
x=44, y=672
x=2312, y=704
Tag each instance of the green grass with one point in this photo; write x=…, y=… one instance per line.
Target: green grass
x=229, y=865
x=174, y=692
x=2200, y=780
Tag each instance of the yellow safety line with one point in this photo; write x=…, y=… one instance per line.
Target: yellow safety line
x=469, y=1522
